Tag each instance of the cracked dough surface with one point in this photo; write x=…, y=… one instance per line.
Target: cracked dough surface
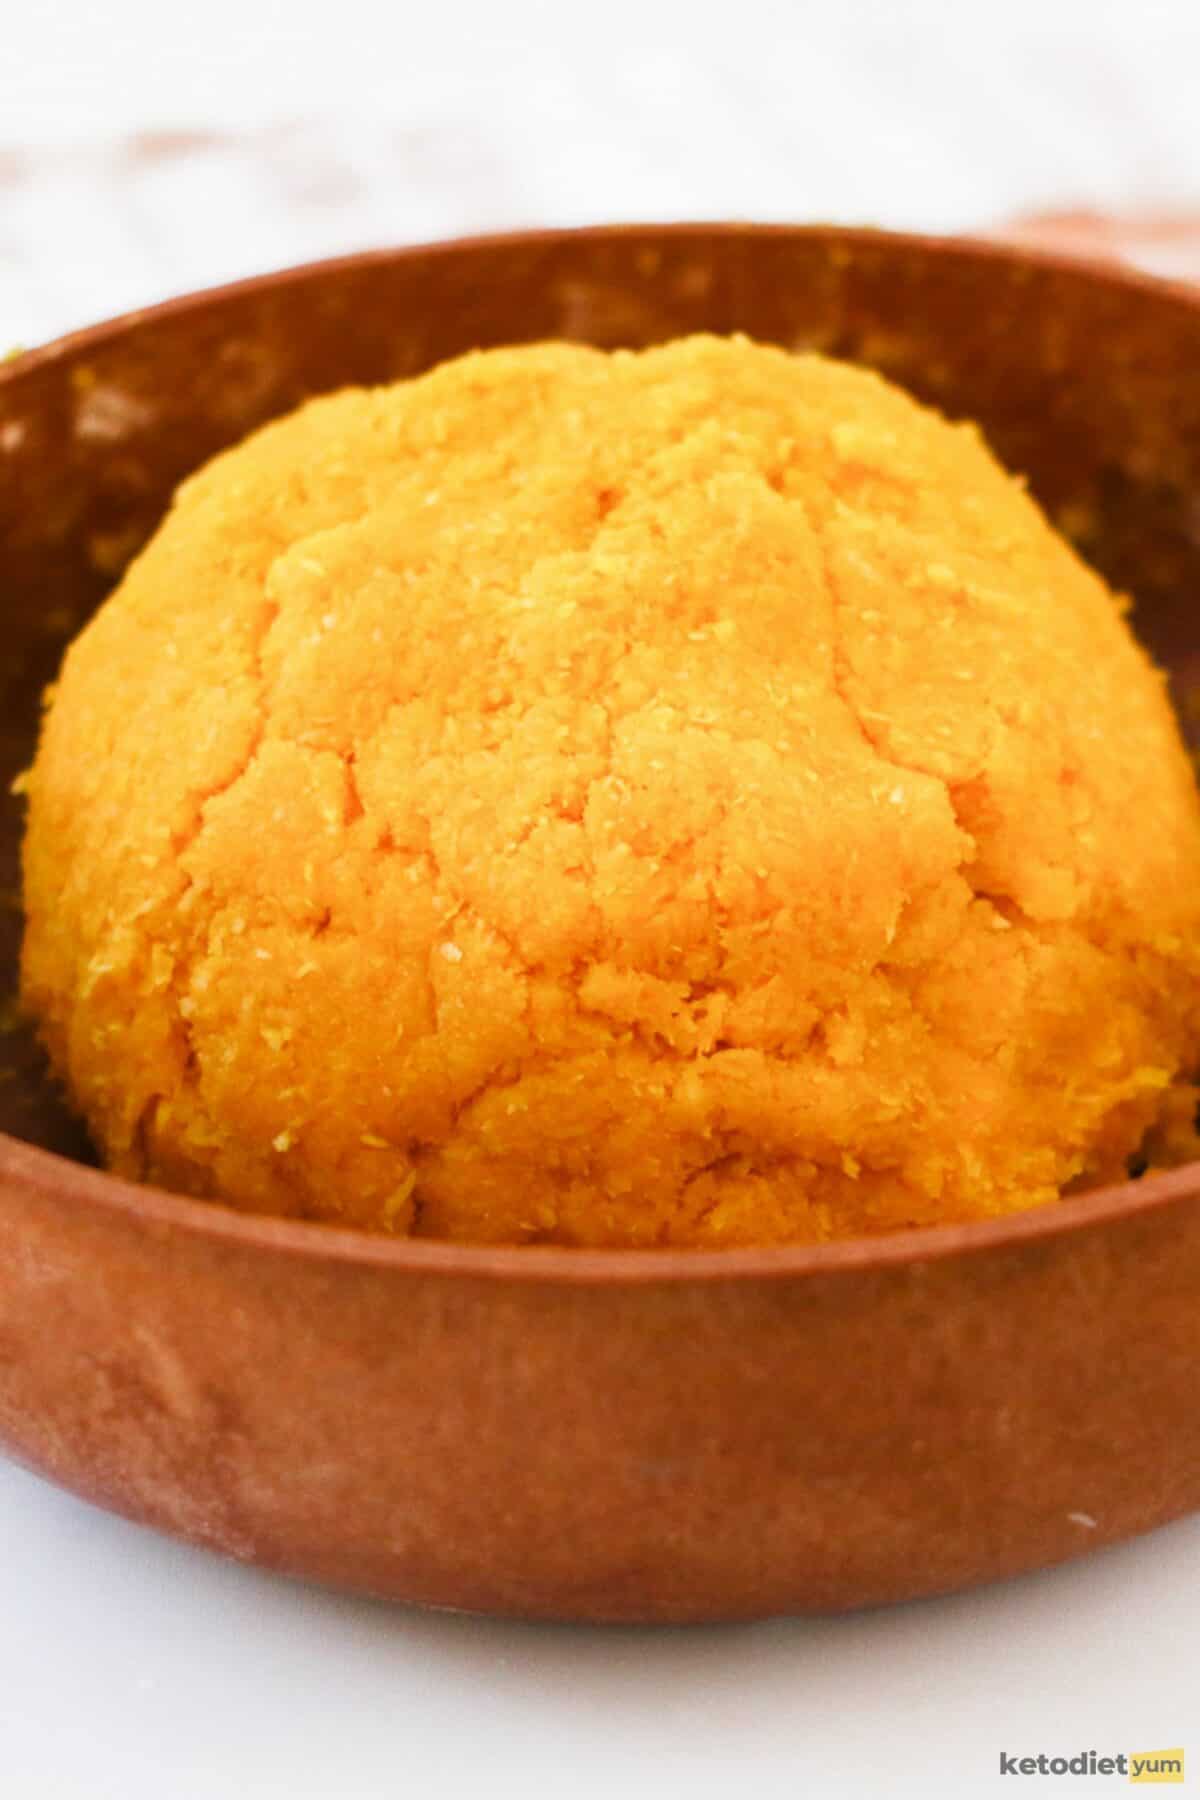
x=684, y=797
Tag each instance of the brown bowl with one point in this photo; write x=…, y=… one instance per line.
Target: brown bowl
x=624, y=1434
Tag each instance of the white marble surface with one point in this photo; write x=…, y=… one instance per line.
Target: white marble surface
x=133, y=1669
x=145, y=150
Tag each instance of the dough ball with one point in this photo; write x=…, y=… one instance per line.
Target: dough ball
x=685, y=797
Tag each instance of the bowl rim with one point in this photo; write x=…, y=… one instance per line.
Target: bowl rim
x=989, y=244
x=48, y=1175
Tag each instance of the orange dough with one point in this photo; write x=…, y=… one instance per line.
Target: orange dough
x=688, y=797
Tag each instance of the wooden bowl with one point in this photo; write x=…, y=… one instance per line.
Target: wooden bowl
x=601, y=1435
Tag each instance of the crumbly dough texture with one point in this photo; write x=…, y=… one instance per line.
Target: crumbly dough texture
x=685, y=797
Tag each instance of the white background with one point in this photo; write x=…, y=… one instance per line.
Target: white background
x=134, y=1669
x=371, y=121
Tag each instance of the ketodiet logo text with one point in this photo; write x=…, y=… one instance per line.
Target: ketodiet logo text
x=1141, y=1766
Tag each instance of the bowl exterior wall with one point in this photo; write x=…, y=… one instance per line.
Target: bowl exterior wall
x=645, y=1450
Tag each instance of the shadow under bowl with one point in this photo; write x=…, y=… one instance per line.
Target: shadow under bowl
x=630, y=1435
